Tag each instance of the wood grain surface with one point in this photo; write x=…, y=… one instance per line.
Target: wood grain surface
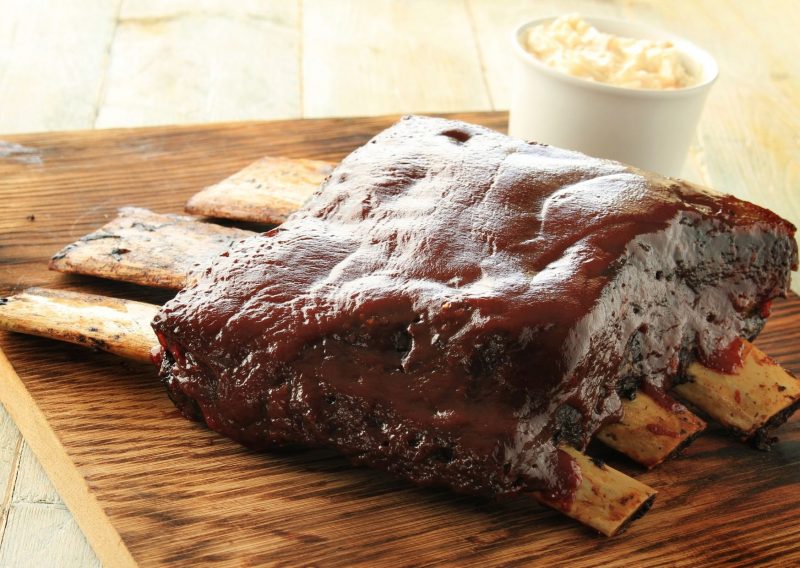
x=141, y=480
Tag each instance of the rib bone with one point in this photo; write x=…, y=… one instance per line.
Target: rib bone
x=146, y=248
x=754, y=399
x=266, y=191
x=121, y=327
x=606, y=499
x=651, y=431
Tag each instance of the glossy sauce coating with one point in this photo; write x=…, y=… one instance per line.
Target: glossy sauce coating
x=453, y=302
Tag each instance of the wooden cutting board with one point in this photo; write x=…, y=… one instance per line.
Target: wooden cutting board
x=149, y=487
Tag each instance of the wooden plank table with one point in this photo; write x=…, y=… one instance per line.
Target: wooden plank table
x=150, y=487
x=108, y=63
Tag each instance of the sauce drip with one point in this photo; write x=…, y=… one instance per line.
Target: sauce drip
x=729, y=359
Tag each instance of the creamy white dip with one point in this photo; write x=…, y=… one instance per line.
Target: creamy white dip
x=571, y=45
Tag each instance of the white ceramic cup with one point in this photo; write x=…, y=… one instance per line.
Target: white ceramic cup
x=648, y=128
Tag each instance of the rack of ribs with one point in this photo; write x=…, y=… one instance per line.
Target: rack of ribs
x=454, y=302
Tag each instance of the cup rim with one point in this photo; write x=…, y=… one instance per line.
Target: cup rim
x=707, y=63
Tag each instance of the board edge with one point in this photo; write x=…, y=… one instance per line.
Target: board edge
x=69, y=482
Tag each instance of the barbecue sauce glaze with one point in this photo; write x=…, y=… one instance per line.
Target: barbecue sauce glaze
x=453, y=303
